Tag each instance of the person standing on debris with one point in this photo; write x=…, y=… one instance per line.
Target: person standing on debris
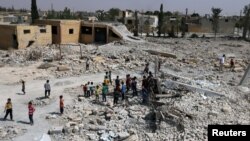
x=97, y=92
x=144, y=82
x=116, y=95
x=106, y=75
x=105, y=90
x=146, y=69
x=134, y=86
x=106, y=81
x=85, y=89
x=110, y=78
x=222, y=61
x=123, y=90
x=47, y=88
x=61, y=104
x=87, y=64
x=232, y=64
x=144, y=95
x=31, y=112
x=91, y=88
x=88, y=89
x=128, y=82
x=8, y=109
x=117, y=82
x=23, y=86
x=159, y=64
x=150, y=82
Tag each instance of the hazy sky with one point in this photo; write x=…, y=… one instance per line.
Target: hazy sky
x=230, y=7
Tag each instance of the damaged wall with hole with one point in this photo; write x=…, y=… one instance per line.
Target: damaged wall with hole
x=23, y=36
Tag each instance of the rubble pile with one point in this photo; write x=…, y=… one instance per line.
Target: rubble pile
x=9, y=132
x=194, y=93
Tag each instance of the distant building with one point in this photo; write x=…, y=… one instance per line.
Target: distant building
x=204, y=25
x=128, y=18
x=16, y=18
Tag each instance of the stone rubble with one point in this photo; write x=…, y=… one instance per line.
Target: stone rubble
x=183, y=117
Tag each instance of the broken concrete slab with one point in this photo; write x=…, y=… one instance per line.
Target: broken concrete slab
x=172, y=84
x=246, y=77
x=56, y=130
x=164, y=54
x=63, y=68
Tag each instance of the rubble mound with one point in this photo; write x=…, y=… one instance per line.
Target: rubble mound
x=9, y=132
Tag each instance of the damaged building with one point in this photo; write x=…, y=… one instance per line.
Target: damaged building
x=74, y=31
x=20, y=36
x=46, y=32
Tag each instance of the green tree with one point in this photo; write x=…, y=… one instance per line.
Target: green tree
x=34, y=12
x=168, y=13
x=113, y=12
x=100, y=15
x=149, y=13
x=246, y=21
x=195, y=15
x=160, y=20
x=215, y=20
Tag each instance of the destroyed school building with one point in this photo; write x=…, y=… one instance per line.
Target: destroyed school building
x=46, y=32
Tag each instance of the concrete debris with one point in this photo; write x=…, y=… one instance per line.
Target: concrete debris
x=192, y=94
x=9, y=132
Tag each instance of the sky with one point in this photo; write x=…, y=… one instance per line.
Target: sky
x=229, y=7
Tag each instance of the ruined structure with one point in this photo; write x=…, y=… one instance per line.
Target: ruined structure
x=63, y=31
x=21, y=36
x=73, y=31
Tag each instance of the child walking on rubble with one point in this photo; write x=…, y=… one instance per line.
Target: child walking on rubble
x=31, y=112
x=61, y=104
x=8, y=109
x=23, y=87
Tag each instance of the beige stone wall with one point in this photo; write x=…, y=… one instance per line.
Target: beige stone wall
x=44, y=38
x=65, y=27
x=56, y=38
x=35, y=36
x=6, y=36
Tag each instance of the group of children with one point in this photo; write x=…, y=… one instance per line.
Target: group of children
x=120, y=88
x=31, y=109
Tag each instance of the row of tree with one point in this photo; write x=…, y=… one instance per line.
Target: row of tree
x=177, y=23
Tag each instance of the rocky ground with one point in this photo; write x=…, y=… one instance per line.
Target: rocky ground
x=183, y=115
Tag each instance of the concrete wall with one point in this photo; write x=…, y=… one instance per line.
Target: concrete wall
x=26, y=36
x=63, y=27
x=6, y=36
x=35, y=37
x=56, y=38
